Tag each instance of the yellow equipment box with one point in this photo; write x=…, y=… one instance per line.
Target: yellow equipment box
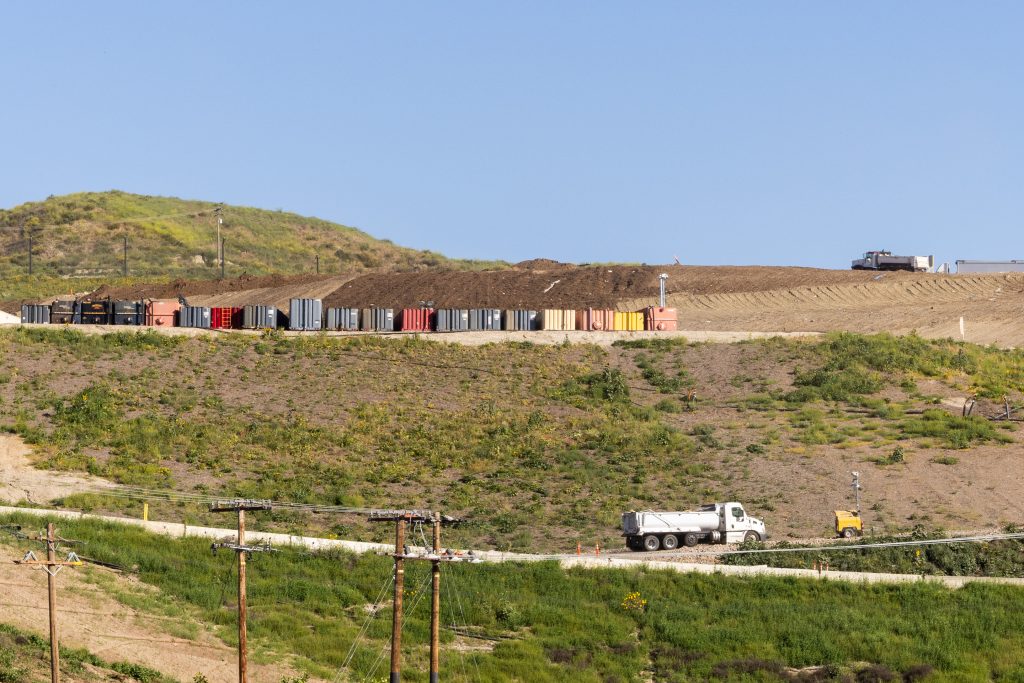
x=849, y=524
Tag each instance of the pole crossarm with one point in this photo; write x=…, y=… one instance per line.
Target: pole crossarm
x=261, y=548
x=234, y=505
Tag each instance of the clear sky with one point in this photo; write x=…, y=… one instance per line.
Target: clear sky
x=794, y=133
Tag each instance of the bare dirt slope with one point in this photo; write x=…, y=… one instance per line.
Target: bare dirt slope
x=90, y=618
x=992, y=307
x=20, y=481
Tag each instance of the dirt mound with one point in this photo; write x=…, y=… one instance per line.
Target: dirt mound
x=170, y=290
x=573, y=286
x=542, y=264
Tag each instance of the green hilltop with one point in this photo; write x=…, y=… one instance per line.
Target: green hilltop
x=81, y=237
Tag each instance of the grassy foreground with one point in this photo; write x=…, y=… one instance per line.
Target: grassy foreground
x=538, y=623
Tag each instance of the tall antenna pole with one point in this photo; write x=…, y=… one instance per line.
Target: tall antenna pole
x=435, y=604
x=220, y=221
x=856, y=489
x=240, y=506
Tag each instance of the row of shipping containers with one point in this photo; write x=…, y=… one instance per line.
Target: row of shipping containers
x=310, y=315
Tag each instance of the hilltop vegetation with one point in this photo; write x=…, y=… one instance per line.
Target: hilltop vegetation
x=540, y=447
x=539, y=623
x=80, y=237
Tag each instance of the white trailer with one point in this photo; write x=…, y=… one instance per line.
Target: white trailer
x=964, y=266
x=711, y=523
x=886, y=260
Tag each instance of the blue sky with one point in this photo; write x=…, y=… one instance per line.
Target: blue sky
x=791, y=133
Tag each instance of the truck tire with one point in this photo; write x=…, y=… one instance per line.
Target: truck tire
x=651, y=542
x=670, y=542
x=751, y=536
x=690, y=540
x=849, y=532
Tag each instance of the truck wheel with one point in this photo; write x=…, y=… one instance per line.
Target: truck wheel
x=751, y=536
x=849, y=532
x=651, y=543
x=670, y=542
x=690, y=540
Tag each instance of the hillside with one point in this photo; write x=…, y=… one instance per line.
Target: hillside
x=80, y=236
x=540, y=446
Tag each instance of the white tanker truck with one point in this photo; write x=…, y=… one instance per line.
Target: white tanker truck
x=711, y=523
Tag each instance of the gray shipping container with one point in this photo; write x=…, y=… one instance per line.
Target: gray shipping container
x=989, y=266
x=305, y=314
x=66, y=312
x=256, y=317
x=35, y=313
x=485, y=318
x=452, y=319
x=377, y=320
x=342, y=319
x=194, y=316
x=519, y=320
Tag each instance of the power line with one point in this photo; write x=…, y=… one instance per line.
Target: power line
x=886, y=544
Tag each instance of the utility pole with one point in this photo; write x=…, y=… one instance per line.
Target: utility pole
x=318, y=264
x=402, y=518
x=125, y=256
x=220, y=221
x=240, y=548
x=30, y=252
x=222, y=241
x=396, y=617
x=435, y=604
x=52, y=567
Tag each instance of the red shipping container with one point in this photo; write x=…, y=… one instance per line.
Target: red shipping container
x=161, y=313
x=416, y=319
x=660, y=319
x=225, y=317
x=595, y=319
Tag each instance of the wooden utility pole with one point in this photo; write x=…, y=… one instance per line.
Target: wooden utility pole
x=435, y=604
x=402, y=518
x=240, y=548
x=125, y=265
x=396, y=617
x=52, y=566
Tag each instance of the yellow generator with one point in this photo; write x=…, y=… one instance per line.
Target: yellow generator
x=849, y=524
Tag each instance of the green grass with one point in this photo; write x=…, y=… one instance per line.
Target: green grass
x=581, y=625
x=78, y=243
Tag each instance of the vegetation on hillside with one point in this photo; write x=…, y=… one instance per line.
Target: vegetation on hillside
x=78, y=238
x=25, y=658
x=539, y=623
x=540, y=447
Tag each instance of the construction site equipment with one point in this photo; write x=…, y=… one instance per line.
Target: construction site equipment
x=848, y=522
x=886, y=260
x=711, y=523
x=1012, y=266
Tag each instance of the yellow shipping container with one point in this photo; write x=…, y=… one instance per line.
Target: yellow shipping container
x=558, y=319
x=629, y=321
